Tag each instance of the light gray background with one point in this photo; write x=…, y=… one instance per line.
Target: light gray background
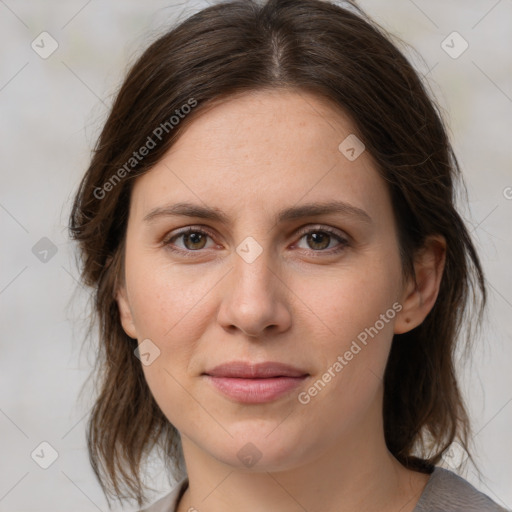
x=51, y=113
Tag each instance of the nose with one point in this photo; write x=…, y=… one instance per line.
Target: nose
x=254, y=298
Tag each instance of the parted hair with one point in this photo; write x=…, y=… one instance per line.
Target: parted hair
x=341, y=55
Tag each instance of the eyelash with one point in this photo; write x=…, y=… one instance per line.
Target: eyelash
x=344, y=243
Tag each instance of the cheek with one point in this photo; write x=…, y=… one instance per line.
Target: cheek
x=350, y=301
x=166, y=298
x=341, y=398
x=170, y=307
x=356, y=310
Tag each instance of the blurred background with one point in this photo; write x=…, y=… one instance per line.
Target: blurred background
x=61, y=65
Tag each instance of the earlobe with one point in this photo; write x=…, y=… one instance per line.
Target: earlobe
x=421, y=290
x=125, y=313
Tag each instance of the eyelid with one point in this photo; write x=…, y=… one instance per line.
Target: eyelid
x=320, y=227
x=185, y=230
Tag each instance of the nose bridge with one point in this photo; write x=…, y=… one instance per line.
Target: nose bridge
x=252, y=302
x=252, y=262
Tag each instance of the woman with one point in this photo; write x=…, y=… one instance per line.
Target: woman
x=281, y=275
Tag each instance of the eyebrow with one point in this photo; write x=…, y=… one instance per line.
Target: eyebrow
x=295, y=212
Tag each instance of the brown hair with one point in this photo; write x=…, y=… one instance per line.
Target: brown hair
x=339, y=54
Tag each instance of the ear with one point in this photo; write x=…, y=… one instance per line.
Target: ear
x=125, y=313
x=421, y=290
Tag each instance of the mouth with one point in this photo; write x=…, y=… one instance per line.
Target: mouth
x=255, y=383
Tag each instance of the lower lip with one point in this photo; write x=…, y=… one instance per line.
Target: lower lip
x=255, y=391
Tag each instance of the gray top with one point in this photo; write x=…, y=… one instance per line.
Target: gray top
x=445, y=492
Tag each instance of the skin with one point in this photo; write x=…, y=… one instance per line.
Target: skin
x=298, y=302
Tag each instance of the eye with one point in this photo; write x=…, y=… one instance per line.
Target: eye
x=193, y=239
x=319, y=239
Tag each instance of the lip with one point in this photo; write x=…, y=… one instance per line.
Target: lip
x=243, y=370
x=255, y=383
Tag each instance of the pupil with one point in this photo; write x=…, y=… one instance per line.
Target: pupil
x=317, y=239
x=195, y=238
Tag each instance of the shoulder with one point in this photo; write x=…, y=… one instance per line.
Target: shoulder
x=445, y=492
x=448, y=492
x=169, y=502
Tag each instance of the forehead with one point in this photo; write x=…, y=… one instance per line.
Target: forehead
x=266, y=124
x=261, y=150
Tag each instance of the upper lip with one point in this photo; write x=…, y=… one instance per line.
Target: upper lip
x=243, y=370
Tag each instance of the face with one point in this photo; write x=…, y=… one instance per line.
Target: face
x=261, y=267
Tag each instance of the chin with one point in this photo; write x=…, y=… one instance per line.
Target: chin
x=267, y=447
